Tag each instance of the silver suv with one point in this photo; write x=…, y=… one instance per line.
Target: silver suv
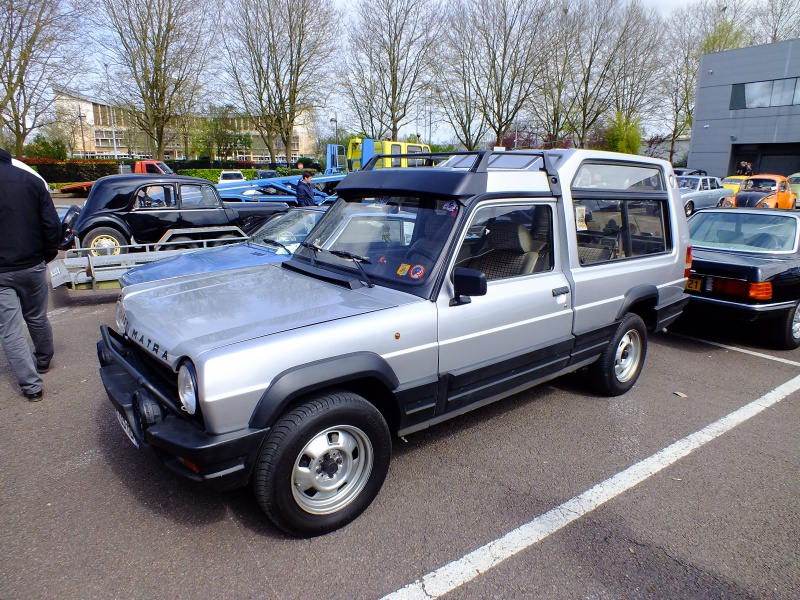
x=461, y=284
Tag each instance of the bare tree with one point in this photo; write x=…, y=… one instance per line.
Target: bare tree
x=722, y=25
x=37, y=53
x=638, y=63
x=775, y=20
x=158, y=51
x=279, y=54
x=455, y=87
x=506, y=57
x=601, y=30
x=392, y=47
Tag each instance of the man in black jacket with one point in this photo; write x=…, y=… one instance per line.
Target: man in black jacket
x=305, y=193
x=30, y=232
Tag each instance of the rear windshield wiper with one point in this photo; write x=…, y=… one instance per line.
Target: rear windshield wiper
x=358, y=259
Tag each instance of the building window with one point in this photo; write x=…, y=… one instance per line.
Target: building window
x=762, y=94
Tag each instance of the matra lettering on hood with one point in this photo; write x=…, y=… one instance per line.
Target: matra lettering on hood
x=147, y=343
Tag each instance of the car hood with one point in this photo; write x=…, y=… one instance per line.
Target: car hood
x=230, y=256
x=737, y=265
x=189, y=315
x=750, y=199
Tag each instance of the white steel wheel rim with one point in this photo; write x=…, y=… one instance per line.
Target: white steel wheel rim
x=628, y=355
x=105, y=245
x=332, y=470
x=796, y=324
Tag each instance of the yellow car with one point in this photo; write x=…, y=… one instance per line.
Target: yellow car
x=732, y=182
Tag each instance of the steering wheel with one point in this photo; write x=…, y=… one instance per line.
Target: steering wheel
x=286, y=237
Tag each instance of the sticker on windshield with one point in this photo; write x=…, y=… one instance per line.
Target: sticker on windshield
x=403, y=269
x=417, y=271
x=451, y=206
x=382, y=200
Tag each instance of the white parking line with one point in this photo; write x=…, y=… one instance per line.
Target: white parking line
x=461, y=571
x=786, y=361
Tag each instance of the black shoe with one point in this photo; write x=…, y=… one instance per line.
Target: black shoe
x=43, y=367
x=34, y=396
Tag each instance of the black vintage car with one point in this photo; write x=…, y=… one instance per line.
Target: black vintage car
x=133, y=210
x=746, y=267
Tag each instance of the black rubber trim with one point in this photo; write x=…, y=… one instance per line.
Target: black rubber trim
x=318, y=375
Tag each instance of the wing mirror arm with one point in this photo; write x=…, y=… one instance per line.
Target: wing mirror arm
x=467, y=283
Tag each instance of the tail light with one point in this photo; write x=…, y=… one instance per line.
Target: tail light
x=688, y=266
x=733, y=287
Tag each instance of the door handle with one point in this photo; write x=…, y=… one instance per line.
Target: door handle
x=560, y=291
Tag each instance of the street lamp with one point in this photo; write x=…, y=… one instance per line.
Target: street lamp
x=111, y=110
x=335, y=123
x=81, y=117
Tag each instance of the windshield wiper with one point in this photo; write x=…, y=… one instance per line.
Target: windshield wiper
x=356, y=259
x=276, y=242
x=314, y=249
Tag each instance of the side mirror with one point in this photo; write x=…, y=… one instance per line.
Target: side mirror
x=467, y=283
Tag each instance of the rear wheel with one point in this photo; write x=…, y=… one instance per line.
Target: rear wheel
x=621, y=363
x=787, y=330
x=180, y=242
x=105, y=241
x=323, y=464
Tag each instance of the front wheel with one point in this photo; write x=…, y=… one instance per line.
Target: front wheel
x=323, y=464
x=621, y=363
x=688, y=208
x=787, y=330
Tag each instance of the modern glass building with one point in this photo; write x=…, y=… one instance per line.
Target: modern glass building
x=748, y=109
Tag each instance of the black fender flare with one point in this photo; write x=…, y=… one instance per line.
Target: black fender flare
x=330, y=372
x=637, y=294
x=106, y=221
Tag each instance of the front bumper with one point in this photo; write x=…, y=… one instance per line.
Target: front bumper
x=223, y=461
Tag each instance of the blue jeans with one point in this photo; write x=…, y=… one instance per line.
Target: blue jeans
x=23, y=300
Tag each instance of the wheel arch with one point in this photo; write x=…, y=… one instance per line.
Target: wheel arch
x=112, y=223
x=641, y=300
x=364, y=373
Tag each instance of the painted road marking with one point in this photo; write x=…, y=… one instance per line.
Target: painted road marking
x=451, y=576
x=786, y=361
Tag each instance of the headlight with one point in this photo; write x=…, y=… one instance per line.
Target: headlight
x=728, y=202
x=119, y=316
x=187, y=387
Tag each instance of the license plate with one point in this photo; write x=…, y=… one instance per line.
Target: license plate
x=127, y=429
x=696, y=285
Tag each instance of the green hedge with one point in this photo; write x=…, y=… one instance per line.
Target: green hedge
x=65, y=171
x=213, y=174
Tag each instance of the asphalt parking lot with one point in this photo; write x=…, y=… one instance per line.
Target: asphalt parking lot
x=553, y=493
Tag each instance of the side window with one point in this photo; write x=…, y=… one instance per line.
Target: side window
x=198, y=196
x=705, y=183
x=615, y=229
x=509, y=241
x=154, y=197
x=396, y=149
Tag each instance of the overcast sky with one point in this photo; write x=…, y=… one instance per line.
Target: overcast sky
x=665, y=7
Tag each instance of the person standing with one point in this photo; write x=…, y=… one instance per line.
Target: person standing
x=30, y=232
x=305, y=193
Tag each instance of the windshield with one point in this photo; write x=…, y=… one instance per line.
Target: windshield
x=287, y=230
x=688, y=183
x=397, y=238
x=743, y=231
x=764, y=185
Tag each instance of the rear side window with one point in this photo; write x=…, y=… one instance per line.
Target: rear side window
x=620, y=212
x=154, y=197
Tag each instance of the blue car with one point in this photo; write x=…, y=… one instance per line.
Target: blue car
x=275, y=241
x=280, y=189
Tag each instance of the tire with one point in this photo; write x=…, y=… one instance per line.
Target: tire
x=323, y=464
x=621, y=363
x=688, y=208
x=227, y=236
x=105, y=241
x=179, y=242
x=786, y=334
